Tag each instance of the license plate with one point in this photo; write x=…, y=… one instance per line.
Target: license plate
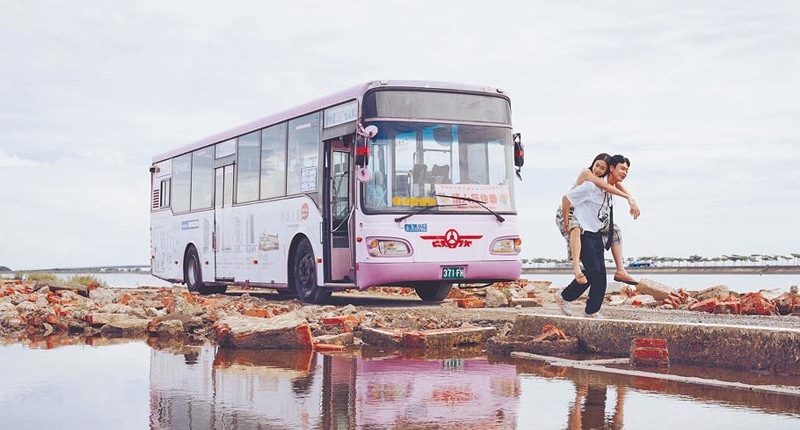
x=452, y=272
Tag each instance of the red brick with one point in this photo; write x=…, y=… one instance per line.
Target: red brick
x=304, y=335
x=647, y=342
x=650, y=353
x=262, y=313
x=322, y=347
x=470, y=302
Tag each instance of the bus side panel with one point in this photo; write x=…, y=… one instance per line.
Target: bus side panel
x=170, y=237
x=254, y=243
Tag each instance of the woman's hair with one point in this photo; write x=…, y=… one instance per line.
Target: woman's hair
x=601, y=156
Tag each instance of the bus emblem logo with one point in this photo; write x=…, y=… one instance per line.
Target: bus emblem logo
x=451, y=239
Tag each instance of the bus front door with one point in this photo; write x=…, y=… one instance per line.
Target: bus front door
x=337, y=215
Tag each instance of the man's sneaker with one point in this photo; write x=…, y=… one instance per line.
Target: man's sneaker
x=595, y=315
x=565, y=306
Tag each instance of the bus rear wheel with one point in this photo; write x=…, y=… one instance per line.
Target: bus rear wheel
x=433, y=291
x=193, y=275
x=304, y=275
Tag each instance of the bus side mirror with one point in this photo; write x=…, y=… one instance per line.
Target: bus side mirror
x=519, y=153
x=362, y=152
x=362, y=145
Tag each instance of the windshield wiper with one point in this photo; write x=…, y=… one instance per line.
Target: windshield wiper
x=425, y=209
x=483, y=205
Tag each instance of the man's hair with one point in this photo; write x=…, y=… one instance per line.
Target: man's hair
x=616, y=159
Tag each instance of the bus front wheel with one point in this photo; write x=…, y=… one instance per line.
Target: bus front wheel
x=304, y=275
x=433, y=291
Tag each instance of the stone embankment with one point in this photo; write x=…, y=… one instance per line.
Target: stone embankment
x=469, y=317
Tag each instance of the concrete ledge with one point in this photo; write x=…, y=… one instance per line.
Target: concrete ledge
x=505, y=345
x=736, y=347
x=441, y=338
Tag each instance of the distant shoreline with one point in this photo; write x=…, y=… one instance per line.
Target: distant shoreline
x=743, y=270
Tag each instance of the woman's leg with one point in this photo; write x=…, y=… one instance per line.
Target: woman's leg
x=575, y=248
x=620, y=274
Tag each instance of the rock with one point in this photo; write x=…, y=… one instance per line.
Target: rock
x=125, y=327
x=642, y=300
x=103, y=296
x=286, y=331
x=169, y=328
x=343, y=339
x=716, y=292
x=657, y=290
x=495, y=298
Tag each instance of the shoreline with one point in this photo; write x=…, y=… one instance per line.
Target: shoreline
x=743, y=270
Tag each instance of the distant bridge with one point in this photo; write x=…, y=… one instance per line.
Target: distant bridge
x=92, y=269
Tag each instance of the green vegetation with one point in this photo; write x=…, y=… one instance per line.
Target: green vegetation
x=85, y=280
x=36, y=276
x=732, y=260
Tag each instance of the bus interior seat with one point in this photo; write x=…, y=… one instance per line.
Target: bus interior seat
x=419, y=173
x=401, y=185
x=440, y=174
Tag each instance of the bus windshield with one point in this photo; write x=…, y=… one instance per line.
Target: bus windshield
x=423, y=164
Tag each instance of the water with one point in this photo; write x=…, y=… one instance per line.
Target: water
x=69, y=382
x=740, y=283
x=133, y=385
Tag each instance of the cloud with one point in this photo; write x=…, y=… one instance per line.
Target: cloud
x=7, y=160
x=700, y=95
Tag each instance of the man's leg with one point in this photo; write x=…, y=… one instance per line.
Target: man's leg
x=592, y=257
x=574, y=290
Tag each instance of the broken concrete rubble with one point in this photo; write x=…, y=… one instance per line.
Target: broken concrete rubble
x=247, y=321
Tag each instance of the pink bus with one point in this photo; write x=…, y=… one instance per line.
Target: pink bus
x=388, y=183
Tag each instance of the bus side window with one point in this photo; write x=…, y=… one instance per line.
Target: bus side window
x=165, y=185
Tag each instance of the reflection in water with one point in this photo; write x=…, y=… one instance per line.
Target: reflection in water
x=603, y=400
x=173, y=385
x=588, y=411
x=207, y=387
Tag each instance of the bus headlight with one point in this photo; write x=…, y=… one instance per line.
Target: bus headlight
x=508, y=245
x=387, y=247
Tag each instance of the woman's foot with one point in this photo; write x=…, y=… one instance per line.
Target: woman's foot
x=624, y=277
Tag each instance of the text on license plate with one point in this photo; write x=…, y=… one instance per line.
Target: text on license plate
x=452, y=272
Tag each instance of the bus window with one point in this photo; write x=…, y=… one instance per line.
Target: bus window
x=273, y=161
x=247, y=166
x=303, y=154
x=202, y=179
x=431, y=159
x=181, y=183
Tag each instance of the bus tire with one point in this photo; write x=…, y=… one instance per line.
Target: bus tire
x=433, y=291
x=304, y=275
x=193, y=275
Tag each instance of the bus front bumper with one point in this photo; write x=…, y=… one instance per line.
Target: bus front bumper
x=402, y=274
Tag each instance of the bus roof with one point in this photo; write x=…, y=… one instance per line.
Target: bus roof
x=348, y=94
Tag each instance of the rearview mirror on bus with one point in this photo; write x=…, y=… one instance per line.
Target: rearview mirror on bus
x=519, y=153
x=362, y=145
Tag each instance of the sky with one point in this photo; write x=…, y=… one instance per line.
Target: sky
x=702, y=96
